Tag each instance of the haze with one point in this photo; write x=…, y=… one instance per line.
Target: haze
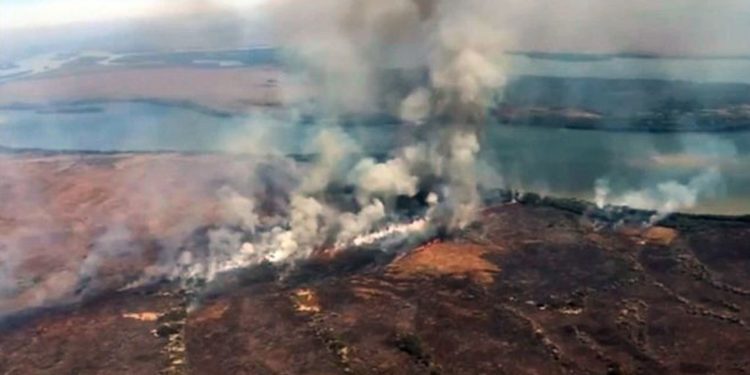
x=678, y=27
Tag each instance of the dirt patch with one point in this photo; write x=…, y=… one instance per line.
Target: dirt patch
x=231, y=90
x=660, y=235
x=214, y=311
x=450, y=259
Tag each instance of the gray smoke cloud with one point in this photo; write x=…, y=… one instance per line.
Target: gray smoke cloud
x=684, y=27
x=678, y=181
x=692, y=27
x=344, y=50
x=665, y=197
x=78, y=225
x=346, y=46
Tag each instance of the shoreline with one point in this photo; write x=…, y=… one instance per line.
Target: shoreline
x=491, y=197
x=550, y=119
x=615, y=214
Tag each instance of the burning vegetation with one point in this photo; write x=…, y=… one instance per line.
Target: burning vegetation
x=346, y=262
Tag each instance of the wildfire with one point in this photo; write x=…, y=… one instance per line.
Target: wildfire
x=142, y=316
x=393, y=231
x=306, y=301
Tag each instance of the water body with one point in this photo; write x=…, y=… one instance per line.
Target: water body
x=567, y=162
x=145, y=126
x=562, y=162
x=703, y=70
x=555, y=161
x=719, y=70
x=51, y=62
x=113, y=127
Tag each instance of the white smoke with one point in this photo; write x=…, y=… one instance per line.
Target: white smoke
x=238, y=210
x=345, y=50
x=695, y=173
x=354, y=225
x=309, y=222
x=333, y=148
x=665, y=197
x=343, y=47
x=388, y=179
x=223, y=248
x=416, y=108
x=461, y=45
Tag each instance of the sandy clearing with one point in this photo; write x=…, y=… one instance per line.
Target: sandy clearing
x=235, y=89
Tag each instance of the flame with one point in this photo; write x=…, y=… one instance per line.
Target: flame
x=393, y=234
x=142, y=316
x=305, y=300
x=418, y=226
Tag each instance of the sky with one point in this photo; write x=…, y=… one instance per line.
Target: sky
x=672, y=27
x=667, y=27
x=31, y=14
x=33, y=27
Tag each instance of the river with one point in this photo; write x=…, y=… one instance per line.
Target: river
x=562, y=162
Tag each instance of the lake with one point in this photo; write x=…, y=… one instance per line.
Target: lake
x=718, y=70
x=703, y=70
x=562, y=162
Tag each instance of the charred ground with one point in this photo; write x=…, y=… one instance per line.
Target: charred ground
x=532, y=289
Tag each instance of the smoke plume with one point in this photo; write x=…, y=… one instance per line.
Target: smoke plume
x=346, y=50
x=353, y=43
x=436, y=65
x=674, y=181
x=665, y=197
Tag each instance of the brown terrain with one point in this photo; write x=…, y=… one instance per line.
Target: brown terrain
x=530, y=101
x=226, y=90
x=531, y=289
x=59, y=211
